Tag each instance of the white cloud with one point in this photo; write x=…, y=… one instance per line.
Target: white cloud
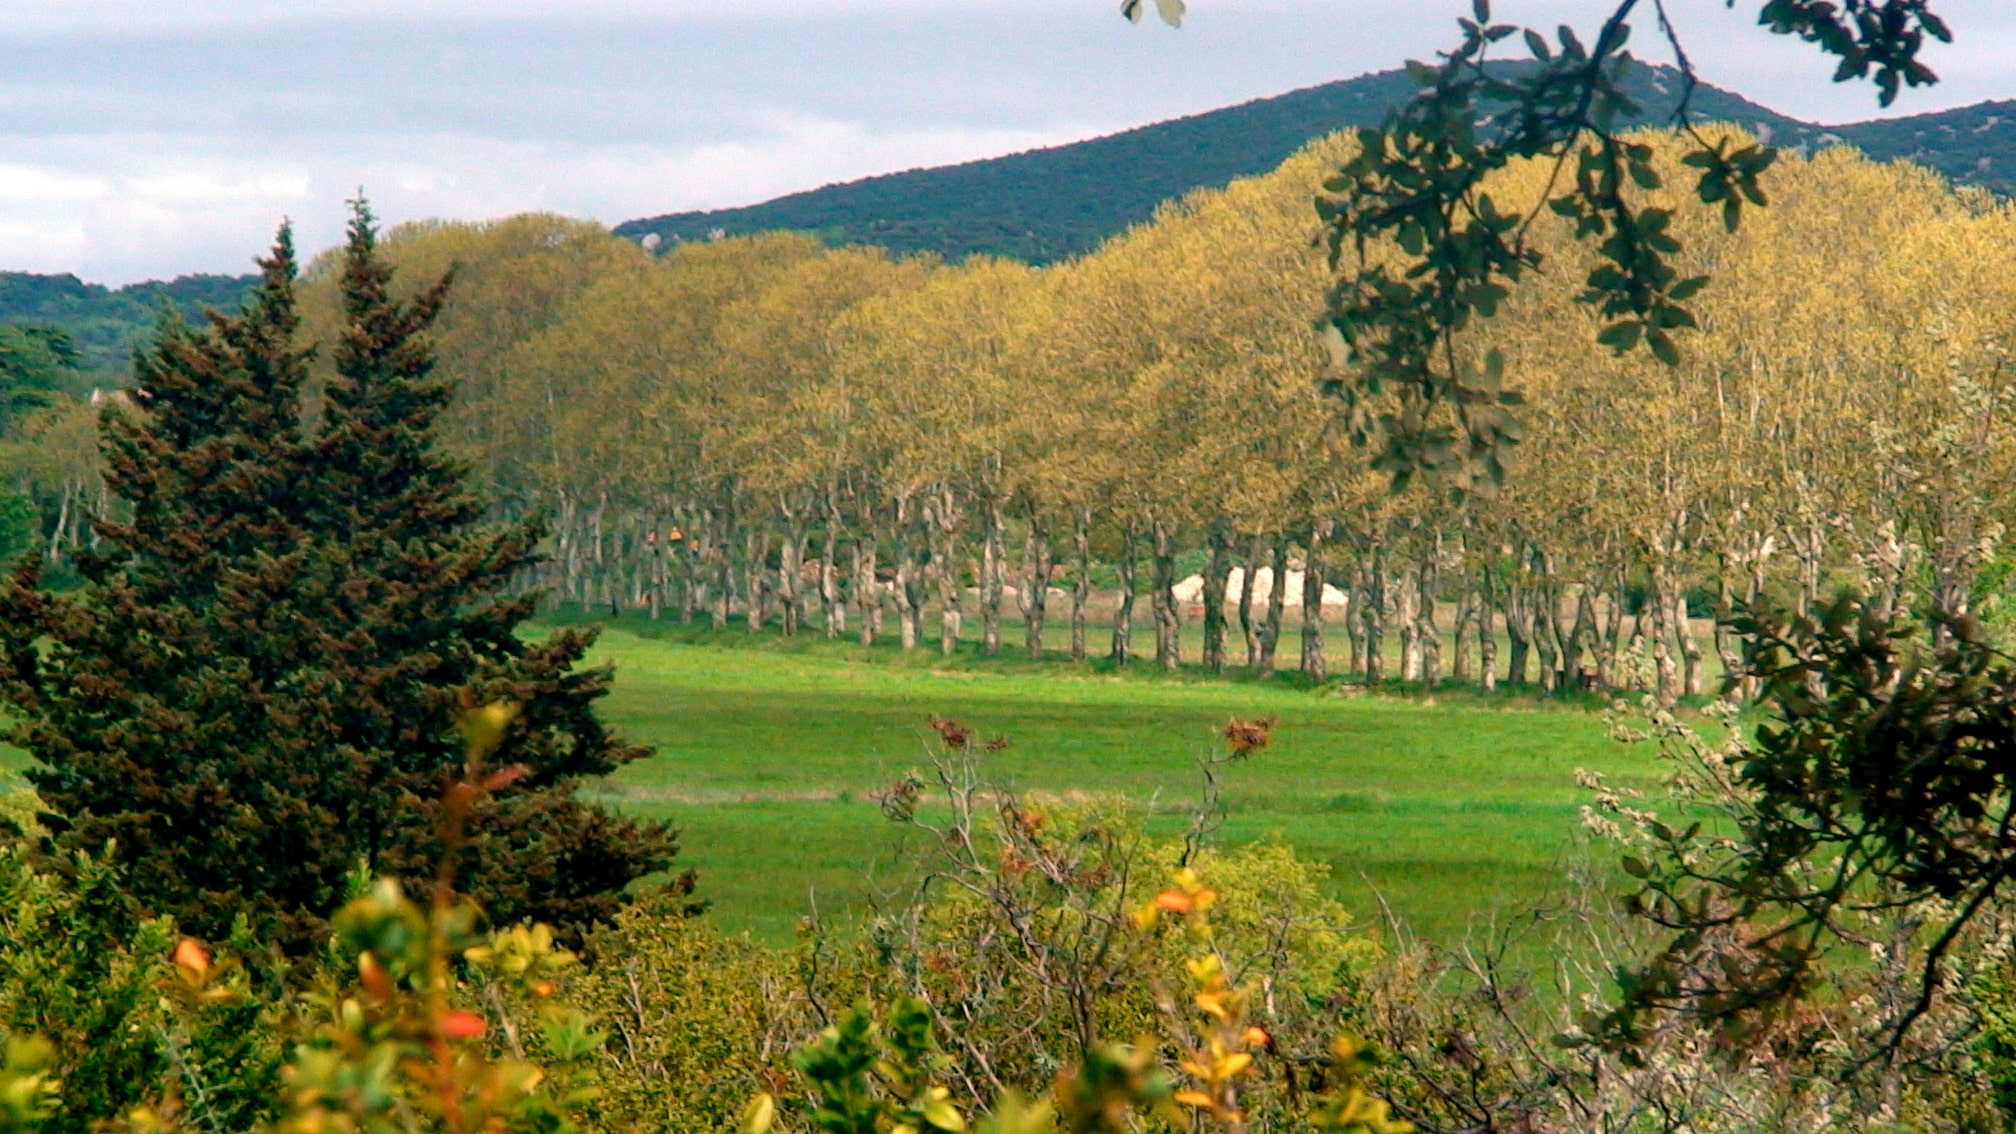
x=144, y=138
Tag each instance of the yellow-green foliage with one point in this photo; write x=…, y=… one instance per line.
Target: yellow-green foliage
x=697, y=1021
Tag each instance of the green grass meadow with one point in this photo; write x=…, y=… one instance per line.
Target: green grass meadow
x=1449, y=809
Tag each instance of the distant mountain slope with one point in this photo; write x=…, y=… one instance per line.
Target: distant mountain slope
x=109, y=322
x=1049, y=204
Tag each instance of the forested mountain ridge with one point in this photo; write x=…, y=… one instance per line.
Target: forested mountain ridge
x=107, y=323
x=1050, y=204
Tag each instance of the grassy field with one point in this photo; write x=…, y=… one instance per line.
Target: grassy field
x=1449, y=809
x=768, y=749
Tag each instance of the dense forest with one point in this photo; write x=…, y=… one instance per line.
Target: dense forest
x=769, y=431
x=107, y=324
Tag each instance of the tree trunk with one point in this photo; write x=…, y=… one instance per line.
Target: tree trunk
x=1246, y=600
x=1409, y=593
x=1428, y=636
x=830, y=598
x=944, y=570
x=1035, y=599
x=1123, y=610
x=1466, y=626
x=1314, y=664
x=1664, y=632
x=1168, y=615
x=991, y=556
x=1518, y=628
x=692, y=558
x=1277, y=603
x=1217, y=576
x=791, y=571
x=867, y=592
x=1579, y=638
x=1081, y=582
x=1487, y=630
x=757, y=571
x=1373, y=616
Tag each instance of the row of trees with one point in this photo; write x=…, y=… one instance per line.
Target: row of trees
x=768, y=429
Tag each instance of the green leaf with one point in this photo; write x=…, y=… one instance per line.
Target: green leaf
x=1662, y=347
x=1537, y=44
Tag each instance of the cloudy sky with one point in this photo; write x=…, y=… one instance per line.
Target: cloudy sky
x=144, y=138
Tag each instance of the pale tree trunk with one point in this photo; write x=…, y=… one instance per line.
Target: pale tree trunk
x=1487, y=630
x=1354, y=624
x=867, y=592
x=945, y=570
x=724, y=570
x=1373, y=616
x=791, y=571
x=1168, y=615
x=655, y=554
x=1246, y=627
x=1314, y=663
x=1123, y=610
x=1081, y=582
x=1217, y=576
x=1409, y=614
x=1544, y=600
x=1429, y=635
x=1664, y=632
x=1611, y=646
x=991, y=556
x=830, y=598
x=757, y=572
x=692, y=565
x=1035, y=598
x=1579, y=638
x=1465, y=669
x=910, y=583
x=1518, y=628
x=1277, y=603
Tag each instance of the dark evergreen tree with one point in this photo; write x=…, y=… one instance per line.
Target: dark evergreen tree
x=254, y=690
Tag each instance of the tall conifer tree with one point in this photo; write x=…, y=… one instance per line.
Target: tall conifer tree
x=253, y=691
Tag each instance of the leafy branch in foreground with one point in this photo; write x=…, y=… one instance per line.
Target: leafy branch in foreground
x=1421, y=250
x=1873, y=809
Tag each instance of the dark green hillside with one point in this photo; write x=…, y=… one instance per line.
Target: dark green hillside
x=107, y=323
x=1050, y=204
x=1974, y=145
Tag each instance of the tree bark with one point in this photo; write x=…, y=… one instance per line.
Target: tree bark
x=1168, y=615
x=944, y=570
x=830, y=598
x=1081, y=582
x=1315, y=665
x=1428, y=635
x=867, y=592
x=1123, y=610
x=1035, y=598
x=1246, y=627
x=1466, y=625
x=1487, y=630
x=1277, y=603
x=1374, y=615
x=1217, y=576
x=991, y=556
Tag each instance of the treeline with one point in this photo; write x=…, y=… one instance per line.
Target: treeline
x=770, y=430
